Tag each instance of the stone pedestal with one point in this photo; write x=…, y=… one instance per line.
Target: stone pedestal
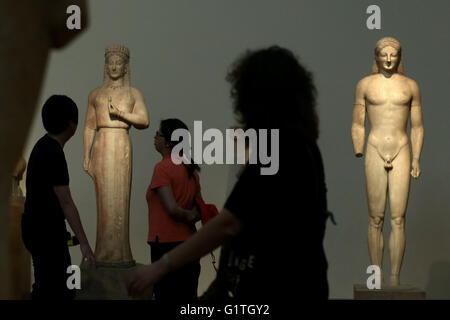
x=107, y=283
x=401, y=292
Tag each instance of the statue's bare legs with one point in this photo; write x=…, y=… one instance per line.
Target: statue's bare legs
x=398, y=186
x=376, y=186
x=379, y=182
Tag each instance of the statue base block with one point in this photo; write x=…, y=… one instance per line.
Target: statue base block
x=107, y=283
x=387, y=292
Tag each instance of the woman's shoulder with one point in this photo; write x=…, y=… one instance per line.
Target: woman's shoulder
x=161, y=165
x=169, y=164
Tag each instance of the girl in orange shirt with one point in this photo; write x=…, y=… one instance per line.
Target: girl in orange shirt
x=172, y=213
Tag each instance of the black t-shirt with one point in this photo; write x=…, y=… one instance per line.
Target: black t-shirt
x=47, y=167
x=280, y=247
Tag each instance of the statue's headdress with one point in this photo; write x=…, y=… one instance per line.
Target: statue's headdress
x=123, y=52
x=385, y=42
x=119, y=50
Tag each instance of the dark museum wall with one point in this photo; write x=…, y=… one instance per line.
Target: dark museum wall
x=180, y=54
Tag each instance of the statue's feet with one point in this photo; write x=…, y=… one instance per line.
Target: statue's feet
x=395, y=280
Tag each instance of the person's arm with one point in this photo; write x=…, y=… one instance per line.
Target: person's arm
x=220, y=229
x=416, y=129
x=169, y=203
x=358, y=121
x=71, y=213
x=89, y=131
x=138, y=117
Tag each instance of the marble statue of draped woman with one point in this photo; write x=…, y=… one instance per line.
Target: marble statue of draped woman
x=112, y=109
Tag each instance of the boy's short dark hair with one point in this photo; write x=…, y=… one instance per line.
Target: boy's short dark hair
x=57, y=111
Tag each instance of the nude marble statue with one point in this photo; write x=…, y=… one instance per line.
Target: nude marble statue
x=30, y=30
x=390, y=99
x=112, y=109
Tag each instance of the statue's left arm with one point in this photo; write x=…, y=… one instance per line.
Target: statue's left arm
x=138, y=117
x=416, y=129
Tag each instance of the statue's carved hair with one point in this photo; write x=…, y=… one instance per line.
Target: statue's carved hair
x=382, y=43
